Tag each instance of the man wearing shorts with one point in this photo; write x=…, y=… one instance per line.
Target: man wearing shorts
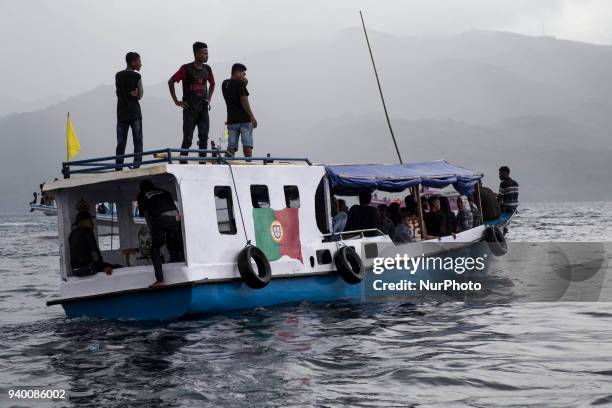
x=240, y=118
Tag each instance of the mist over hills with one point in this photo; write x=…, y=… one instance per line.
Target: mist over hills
x=479, y=99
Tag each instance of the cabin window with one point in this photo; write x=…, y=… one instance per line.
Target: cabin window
x=292, y=197
x=225, y=210
x=260, y=196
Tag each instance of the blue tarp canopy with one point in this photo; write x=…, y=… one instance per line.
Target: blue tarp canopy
x=351, y=179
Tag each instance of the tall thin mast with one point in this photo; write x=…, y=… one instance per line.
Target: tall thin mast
x=399, y=156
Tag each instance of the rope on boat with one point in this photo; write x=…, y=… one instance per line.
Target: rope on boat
x=246, y=237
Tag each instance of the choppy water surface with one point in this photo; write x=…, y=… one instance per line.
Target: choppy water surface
x=389, y=353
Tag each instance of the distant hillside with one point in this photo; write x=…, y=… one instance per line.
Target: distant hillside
x=479, y=99
x=10, y=105
x=549, y=165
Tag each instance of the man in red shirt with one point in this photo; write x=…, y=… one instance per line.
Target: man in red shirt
x=196, y=96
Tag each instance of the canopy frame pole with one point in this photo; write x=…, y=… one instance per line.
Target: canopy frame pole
x=382, y=98
x=417, y=193
x=479, y=202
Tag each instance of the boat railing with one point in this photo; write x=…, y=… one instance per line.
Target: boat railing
x=167, y=155
x=355, y=234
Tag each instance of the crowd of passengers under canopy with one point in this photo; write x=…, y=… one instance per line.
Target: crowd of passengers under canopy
x=401, y=224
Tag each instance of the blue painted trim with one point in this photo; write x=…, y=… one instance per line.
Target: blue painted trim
x=164, y=304
x=217, y=297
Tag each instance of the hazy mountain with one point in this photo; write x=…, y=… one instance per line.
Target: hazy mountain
x=10, y=105
x=547, y=160
x=479, y=99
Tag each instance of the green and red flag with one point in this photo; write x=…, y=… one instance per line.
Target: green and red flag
x=277, y=232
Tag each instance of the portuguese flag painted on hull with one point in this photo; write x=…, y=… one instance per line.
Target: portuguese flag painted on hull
x=277, y=232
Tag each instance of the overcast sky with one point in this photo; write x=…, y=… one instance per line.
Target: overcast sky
x=65, y=47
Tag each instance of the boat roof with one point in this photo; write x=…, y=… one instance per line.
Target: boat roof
x=351, y=179
x=146, y=171
x=154, y=162
x=345, y=179
x=94, y=178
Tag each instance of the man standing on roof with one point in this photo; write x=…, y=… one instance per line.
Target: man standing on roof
x=196, y=96
x=240, y=118
x=508, y=191
x=128, y=87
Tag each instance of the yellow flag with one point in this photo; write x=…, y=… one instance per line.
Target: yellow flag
x=225, y=133
x=73, y=147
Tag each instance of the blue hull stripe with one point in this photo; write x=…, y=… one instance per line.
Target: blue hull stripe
x=173, y=303
x=207, y=298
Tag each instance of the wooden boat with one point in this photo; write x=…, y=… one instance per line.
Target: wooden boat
x=256, y=233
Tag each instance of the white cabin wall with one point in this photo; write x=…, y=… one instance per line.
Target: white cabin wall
x=204, y=243
x=128, y=230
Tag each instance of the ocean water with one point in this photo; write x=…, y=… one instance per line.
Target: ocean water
x=429, y=352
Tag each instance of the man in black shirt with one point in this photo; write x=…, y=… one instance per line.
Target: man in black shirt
x=240, y=118
x=435, y=221
x=157, y=206
x=128, y=87
x=85, y=256
x=196, y=97
x=362, y=216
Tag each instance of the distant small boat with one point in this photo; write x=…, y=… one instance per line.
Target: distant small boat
x=49, y=210
x=106, y=222
x=255, y=234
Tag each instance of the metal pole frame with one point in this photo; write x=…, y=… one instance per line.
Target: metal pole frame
x=399, y=156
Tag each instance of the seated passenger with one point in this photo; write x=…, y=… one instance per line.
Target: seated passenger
x=362, y=216
x=435, y=221
x=425, y=206
x=85, y=256
x=394, y=213
x=384, y=223
x=403, y=230
x=464, y=216
x=338, y=217
x=411, y=204
x=476, y=218
x=450, y=225
x=342, y=206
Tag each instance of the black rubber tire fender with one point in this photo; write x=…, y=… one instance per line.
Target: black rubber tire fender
x=254, y=278
x=349, y=265
x=496, y=241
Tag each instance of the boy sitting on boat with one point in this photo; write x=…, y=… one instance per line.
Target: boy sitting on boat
x=85, y=256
